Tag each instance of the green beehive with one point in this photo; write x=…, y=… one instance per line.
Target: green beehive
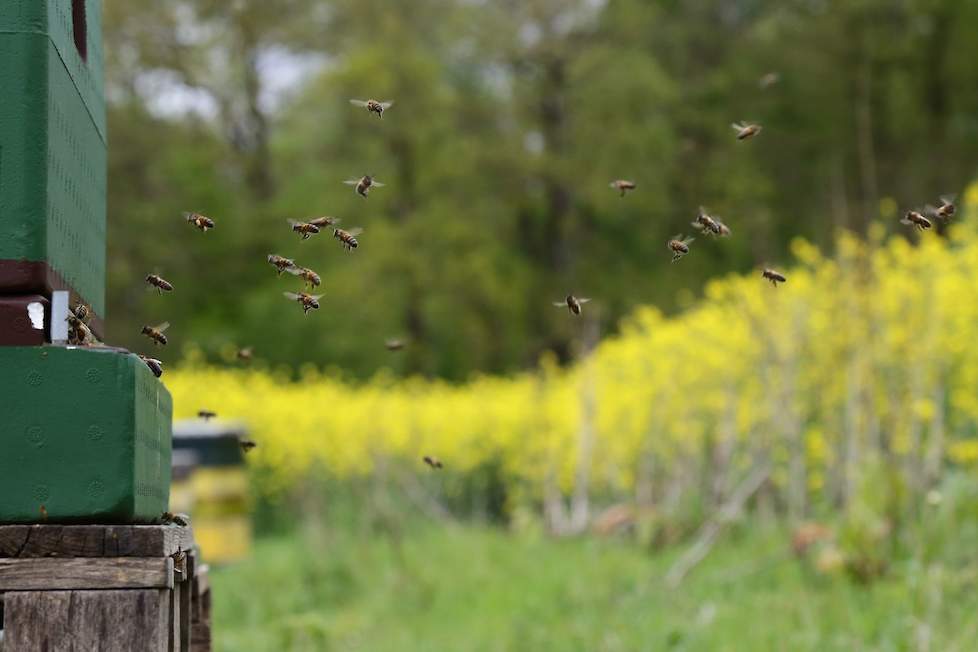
x=85, y=436
x=52, y=149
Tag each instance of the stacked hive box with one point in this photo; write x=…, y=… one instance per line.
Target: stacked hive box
x=84, y=432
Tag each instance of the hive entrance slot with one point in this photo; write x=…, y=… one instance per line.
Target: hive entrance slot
x=79, y=27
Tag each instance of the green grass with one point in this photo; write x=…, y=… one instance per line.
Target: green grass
x=474, y=588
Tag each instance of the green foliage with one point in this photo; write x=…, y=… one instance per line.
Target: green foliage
x=510, y=120
x=476, y=589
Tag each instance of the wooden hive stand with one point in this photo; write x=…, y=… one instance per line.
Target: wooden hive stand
x=119, y=588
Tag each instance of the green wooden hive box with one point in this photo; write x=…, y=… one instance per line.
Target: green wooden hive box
x=85, y=436
x=85, y=433
x=52, y=149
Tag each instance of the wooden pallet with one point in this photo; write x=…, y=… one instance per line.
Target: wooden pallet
x=111, y=588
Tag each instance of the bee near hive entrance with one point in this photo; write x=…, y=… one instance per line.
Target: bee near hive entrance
x=86, y=438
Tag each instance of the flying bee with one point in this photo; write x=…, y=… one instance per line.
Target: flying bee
x=160, y=283
x=169, y=518
x=348, y=238
x=155, y=333
x=773, y=276
x=769, y=80
x=945, y=209
x=206, y=415
x=363, y=184
x=679, y=246
x=305, y=229
x=394, y=344
x=572, y=303
x=706, y=223
x=246, y=354
x=325, y=221
x=917, y=220
x=373, y=106
x=247, y=445
x=622, y=186
x=154, y=365
x=202, y=222
x=310, y=277
x=433, y=462
x=746, y=130
x=281, y=263
x=308, y=301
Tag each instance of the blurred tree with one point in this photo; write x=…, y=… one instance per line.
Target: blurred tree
x=510, y=119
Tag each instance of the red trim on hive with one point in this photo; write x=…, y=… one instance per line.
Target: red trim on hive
x=18, y=277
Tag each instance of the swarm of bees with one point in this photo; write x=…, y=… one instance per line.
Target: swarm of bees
x=678, y=245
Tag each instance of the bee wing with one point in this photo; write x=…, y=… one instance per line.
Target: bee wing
x=355, y=232
x=738, y=126
x=931, y=211
x=905, y=220
x=583, y=300
x=378, y=184
x=352, y=182
x=189, y=216
x=325, y=221
x=292, y=296
x=686, y=241
x=948, y=199
x=317, y=297
x=697, y=225
x=386, y=105
x=359, y=103
x=560, y=304
x=295, y=270
x=613, y=184
x=162, y=327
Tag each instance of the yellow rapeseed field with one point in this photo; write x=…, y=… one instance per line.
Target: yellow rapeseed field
x=870, y=354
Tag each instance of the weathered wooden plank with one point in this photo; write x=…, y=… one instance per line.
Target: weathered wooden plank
x=200, y=638
x=26, y=541
x=185, y=589
x=174, y=617
x=109, y=621
x=70, y=574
